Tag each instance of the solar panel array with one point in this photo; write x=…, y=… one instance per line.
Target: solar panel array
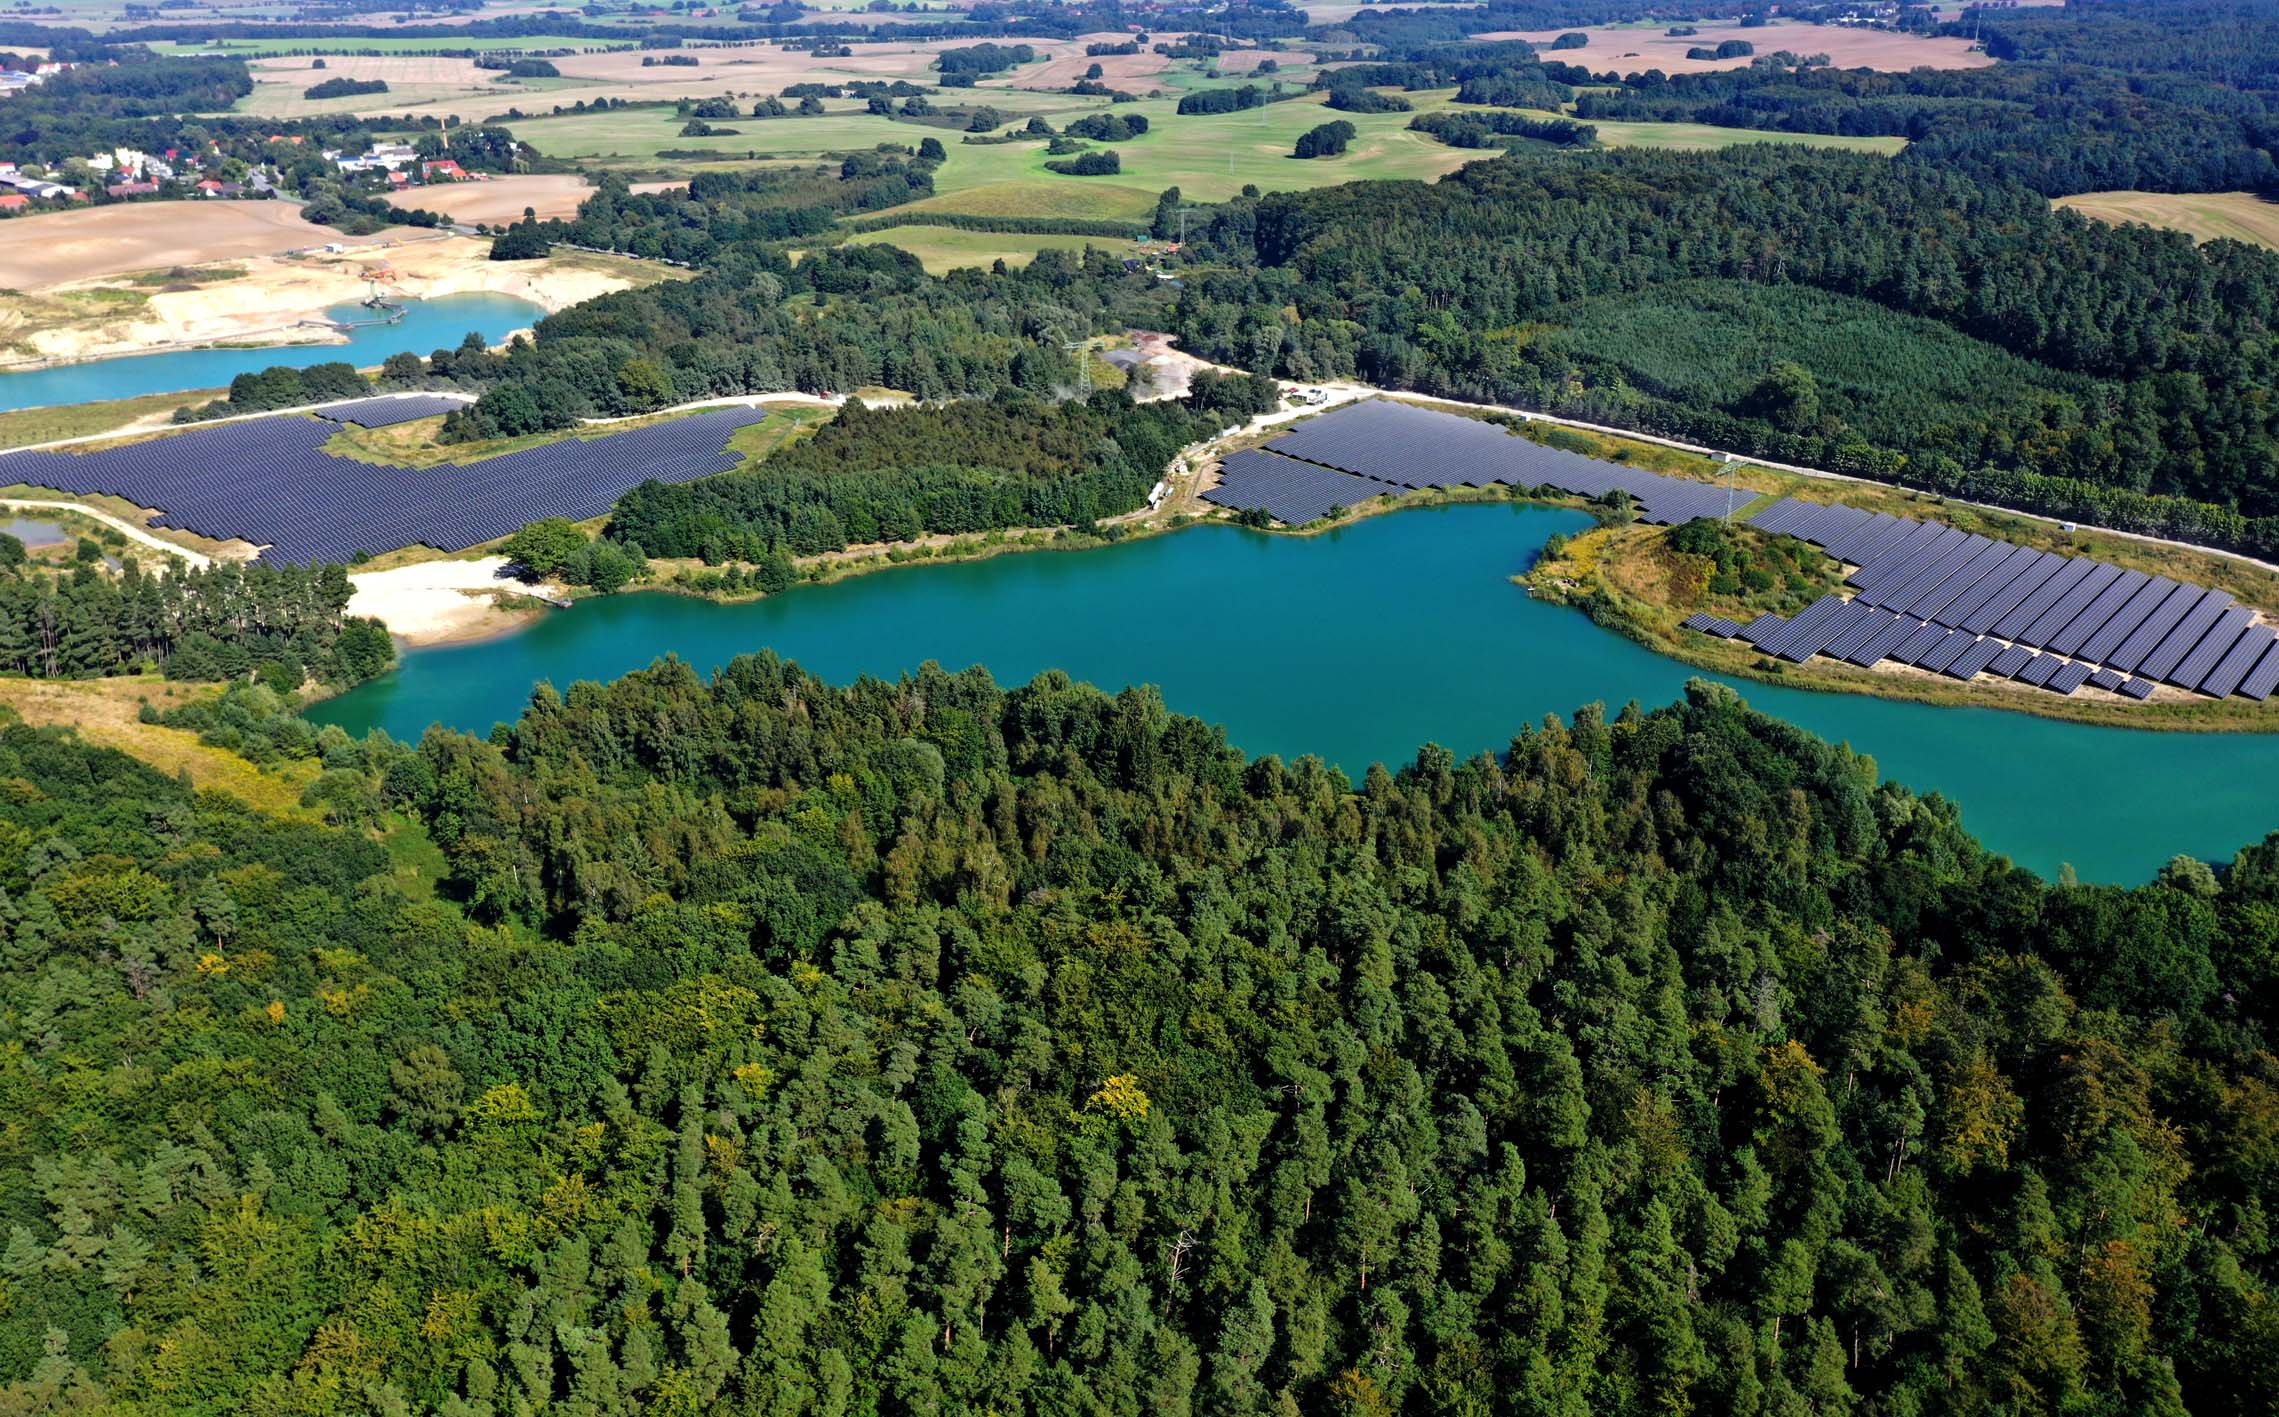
x=1957, y=603
x=269, y=481
x=1400, y=447
x=1716, y=625
x=1290, y=491
x=390, y=409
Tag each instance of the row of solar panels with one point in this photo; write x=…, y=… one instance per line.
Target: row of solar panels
x=1376, y=447
x=387, y=410
x=269, y=482
x=1865, y=635
x=2151, y=628
x=1289, y=491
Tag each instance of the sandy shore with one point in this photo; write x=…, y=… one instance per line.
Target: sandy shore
x=443, y=602
x=266, y=304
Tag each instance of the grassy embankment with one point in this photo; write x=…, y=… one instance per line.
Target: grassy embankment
x=108, y=712
x=25, y=427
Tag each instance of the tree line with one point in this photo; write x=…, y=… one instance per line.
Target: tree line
x=285, y=625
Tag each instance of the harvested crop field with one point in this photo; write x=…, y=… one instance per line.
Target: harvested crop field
x=1066, y=62
x=1633, y=50
x=499, y=199
x=2204, y=216
x=416, y=82
x=1244, y=60
x=82, y=244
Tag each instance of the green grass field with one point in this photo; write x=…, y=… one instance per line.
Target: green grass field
x=946, y=248
x=2204, y=216
x=1208, y=157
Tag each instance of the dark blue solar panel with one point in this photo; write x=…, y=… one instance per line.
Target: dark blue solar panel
x=1810, y=641
x=2038, y=670
x=2263, y=678
x=2007, y=664
x=1900, y=558
x=1980, y=654
x=1868, y=625
x=1763, y=628
x=268, y=481
x=1782, y=516
x=390, y=409
x=1981, y=564
x=2017, y=563
x=2107, y=680
x=2233, y=667
x=2138, y=688
x=1915, y=646
x=2069, y=606
x=1903, y=587
x=1869, y=538
x=2183, y=640
x=2109, y=602
x=1886, y=640
x=1413, y=447
x=1832, y=522
x=1998, y=607
x=1946, y=652
x=2069, y=677
x=2114, y=632
x=2213, y=647
x=2049, y=593
x=1292, y=492
x=1805, y=621
x=2139, y=644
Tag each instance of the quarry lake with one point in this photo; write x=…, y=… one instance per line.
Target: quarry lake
x=427, y=325
x=1359, y=645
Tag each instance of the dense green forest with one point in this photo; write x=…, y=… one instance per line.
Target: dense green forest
x=2058, y=130
x=285, y=625
x=899, y=474
x=924, y=1047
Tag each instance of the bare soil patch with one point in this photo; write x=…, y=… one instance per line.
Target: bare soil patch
x=499, y=199
x=90, y=242
x=1633, y=51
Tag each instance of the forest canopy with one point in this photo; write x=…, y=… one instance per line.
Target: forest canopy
x=925, y=1046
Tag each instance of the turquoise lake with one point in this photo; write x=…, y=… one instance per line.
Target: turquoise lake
x=427, y=325
x=1359, y=645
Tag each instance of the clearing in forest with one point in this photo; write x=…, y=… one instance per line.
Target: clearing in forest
x=2203, y=216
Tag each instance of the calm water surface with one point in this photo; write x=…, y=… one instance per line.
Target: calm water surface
x=1360, y=645
x=427, y=325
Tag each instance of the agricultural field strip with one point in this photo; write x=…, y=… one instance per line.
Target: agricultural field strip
x=270, y=482
x=1975, y=604
x=1398, y=447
